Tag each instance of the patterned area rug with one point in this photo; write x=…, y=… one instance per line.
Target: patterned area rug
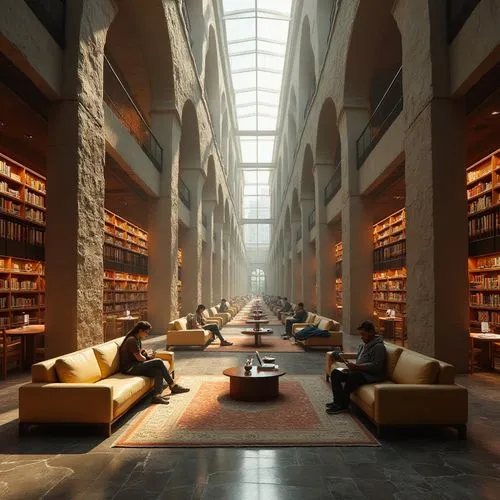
x=245, y=343
x=207, y=417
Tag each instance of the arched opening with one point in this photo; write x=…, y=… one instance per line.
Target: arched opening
x=373, y=71
x=292, y=140
x=325, y=11
x=307, y=70
x=212, y=81
x=307, y=176
x=258, y=282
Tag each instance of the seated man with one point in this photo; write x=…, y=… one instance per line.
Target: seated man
x=300, y=316
x=197, y=321
x=224, y=306
x=134, y=360
x=369, y=367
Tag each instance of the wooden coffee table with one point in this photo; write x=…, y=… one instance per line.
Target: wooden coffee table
x=257, y=386
x=257, y=334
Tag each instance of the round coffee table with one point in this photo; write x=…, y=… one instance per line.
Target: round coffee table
x=257, y=334
x=257, y=322
x=260, y=385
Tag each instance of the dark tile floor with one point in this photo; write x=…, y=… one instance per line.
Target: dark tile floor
x=411, y=464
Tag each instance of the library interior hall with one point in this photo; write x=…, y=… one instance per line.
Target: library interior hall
x=248, y=249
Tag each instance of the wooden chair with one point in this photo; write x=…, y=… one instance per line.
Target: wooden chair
x=10, y=350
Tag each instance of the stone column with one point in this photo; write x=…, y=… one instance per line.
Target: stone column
x=357, y=227
x=208, y=254
x=436, y=205
x=192, y=242
x=75, y=191
x=325, y=245
x=286, y=267
x=218, y=261
x=308, y=266
x=163, y=226
x=226, y=265
x=295, y=274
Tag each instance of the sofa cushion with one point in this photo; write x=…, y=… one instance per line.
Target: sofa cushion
x=393, y=354
x=180, y=324
x=108, y=358
x=80, y=367
x=326, y=324
x=213, y=311
x=413, y=368
x=364, y=397
x=311, y=317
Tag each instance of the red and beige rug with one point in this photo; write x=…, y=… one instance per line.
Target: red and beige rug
x=207, y=417
x=245, y=343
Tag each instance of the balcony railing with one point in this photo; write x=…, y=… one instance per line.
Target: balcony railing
x=52, y=14
x=334, y=184
x=312, y=219
x=382, y=118
x=457, y=13
x=118, y=98
x=184, y=194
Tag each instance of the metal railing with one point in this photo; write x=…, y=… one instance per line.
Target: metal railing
x=457, y=13
x=381, y=119
x=118, y=98
x=312, y=219
x=334, y=184
x=52, y=14
x=184, y=194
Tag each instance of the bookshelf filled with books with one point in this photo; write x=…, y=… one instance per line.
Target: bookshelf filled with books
x=483, y=198
x=180, y=264
x=22, y=210
x=389, y=242
x=22, y=291
x=338, y=274
x=389, y=291
x=124, y=291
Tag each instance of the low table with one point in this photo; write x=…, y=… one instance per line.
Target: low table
x=257, y=334
x=256, y=386
x=28, y=336
x=257, y=322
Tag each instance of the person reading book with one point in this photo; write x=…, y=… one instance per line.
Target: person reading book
x=134, y=360
x=300, y=316
x=197, y=321
x=368, y=367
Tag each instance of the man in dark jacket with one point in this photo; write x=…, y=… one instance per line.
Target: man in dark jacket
x=300, y=316
x=370, y=367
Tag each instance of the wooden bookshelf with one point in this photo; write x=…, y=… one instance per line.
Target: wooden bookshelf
x=123, y=234
x=180, y=264
x=389, y=242
x=389, y=291
x=339, y=252
x=22, y=291
x=123, y=291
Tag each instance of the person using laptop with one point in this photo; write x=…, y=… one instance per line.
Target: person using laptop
x=369, y=367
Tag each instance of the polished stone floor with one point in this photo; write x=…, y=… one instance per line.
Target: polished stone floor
x=410, y=464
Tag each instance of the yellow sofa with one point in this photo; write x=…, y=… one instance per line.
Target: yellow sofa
x=332, y=326
x=419, y=390
x=179, y=335
x=83, y=387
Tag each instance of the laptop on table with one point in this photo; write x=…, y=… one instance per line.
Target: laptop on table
x=264, y=366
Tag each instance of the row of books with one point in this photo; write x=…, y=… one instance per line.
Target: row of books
x=475, y=174
x=389, y=285
x=125, y=297
x=485, y=299
x=490, y=281
x=24, y=301
x=479, y=188
x=4, y=303
x=10, y=206
x=123, y=256
x=34, y=199
x=34, y=215
x=5, y=188
x=125, y=287
x=479, y=204
x=34, y=183
x=485, y=226
x=389, y=296
x=489, y=316
x=391, y=252
x=19, y=232
x=389, y=231
x=16, y=284
x=119, y=308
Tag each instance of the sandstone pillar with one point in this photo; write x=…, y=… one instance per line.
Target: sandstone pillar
x=436, y=206
x=308, y=259
x=218, y=260
x=208, y=255
x=75, y=196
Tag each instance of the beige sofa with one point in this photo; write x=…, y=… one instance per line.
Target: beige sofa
x=419, y=390
x=332, y=326
x=179, y=335
x=83, y=387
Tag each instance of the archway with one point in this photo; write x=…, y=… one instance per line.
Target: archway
x=212, y=81
x=307, y=70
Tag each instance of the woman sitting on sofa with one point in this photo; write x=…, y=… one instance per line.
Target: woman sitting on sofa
x=134, y=360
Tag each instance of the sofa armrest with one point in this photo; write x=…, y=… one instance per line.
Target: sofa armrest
x=225, y=317
x=420, y=404
x=330, y=363
x=197, y=336
x=213, y=321
x=65, y=403
x=167, y=356
x=296, y=327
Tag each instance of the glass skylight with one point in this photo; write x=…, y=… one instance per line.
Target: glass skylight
x=256, y=34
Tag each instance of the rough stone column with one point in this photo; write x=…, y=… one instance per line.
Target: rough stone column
x=325, y=245
x=286, y=267
x=226, y=264
x=193, y=242
x=295, y=274
x=208, y=255
x=75, y=191
x=357, y=228
x=163, y=226
x=308, y=264
x=218, y=260
x=436, y=205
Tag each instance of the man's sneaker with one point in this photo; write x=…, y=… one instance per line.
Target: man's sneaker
x=178, y=389
x=160, y=400
x=333, y=410
x=226, y=343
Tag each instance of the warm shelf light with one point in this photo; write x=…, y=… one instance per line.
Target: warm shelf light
x=494, y=113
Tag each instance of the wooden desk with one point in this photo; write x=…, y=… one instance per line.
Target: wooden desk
x=253, y=386
x=28, y=338
x=490, y=338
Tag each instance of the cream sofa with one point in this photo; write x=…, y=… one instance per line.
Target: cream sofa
x=332, y=326
x=179, y=335
x=419, y=390
x=83, y=387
